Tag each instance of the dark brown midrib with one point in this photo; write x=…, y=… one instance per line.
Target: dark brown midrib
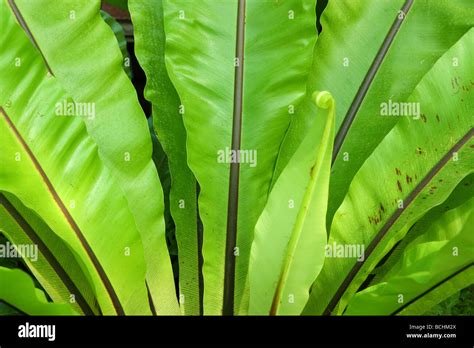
x=432, y=288
x=47, y=254
x=366, y=83
x=22, y=22
x=233, y=198
x=393, y=219
x=93, y=258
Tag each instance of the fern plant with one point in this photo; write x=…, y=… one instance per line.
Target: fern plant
x=299, y=172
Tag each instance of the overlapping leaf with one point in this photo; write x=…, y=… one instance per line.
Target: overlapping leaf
x=120, y=129
x=415, y=167
x=52, y=166
x=18, y=291
x=369, y=53
x=147, y=17
x=442, y=252
x=290, y=236
x=53, y=264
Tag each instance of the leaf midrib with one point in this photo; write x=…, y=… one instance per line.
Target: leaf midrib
x=233, y=195
x=368, y=79
x=21, y=20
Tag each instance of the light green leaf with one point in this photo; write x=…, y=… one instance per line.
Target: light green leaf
x=147, y=16
x=17, y=290
x=52, y=166
x=119, y=128
x=290, y=236
x=248, y=108
x=415, y=168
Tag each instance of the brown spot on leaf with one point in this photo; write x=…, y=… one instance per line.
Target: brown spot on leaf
x=409, y=179
x=382, y=208
x=397, y=171
x=399, y=186
x=418, y=151
x=376, y=218
x=437, y=117
x=423, y=118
